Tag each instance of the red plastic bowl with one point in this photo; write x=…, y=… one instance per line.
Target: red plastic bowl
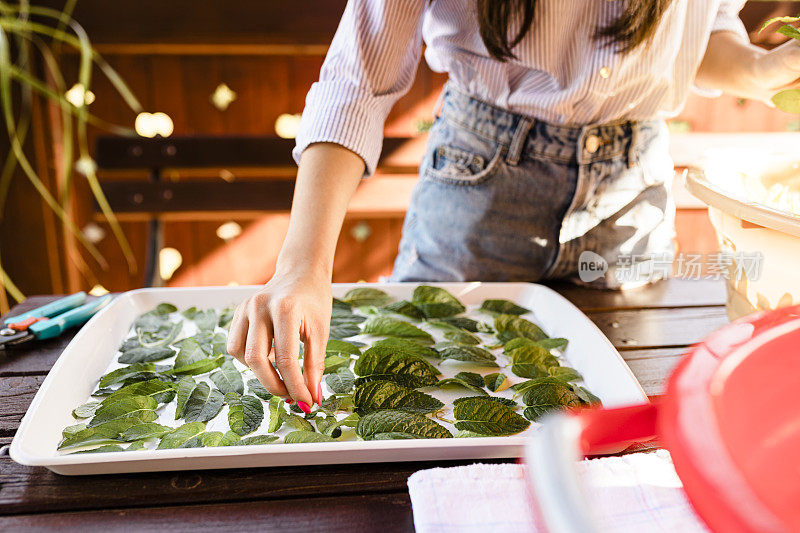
x=729, y=418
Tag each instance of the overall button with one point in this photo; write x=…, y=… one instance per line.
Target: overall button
x=592, y=143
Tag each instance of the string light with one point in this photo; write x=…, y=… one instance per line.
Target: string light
x=169, y=260
x=78, y=96
x=287, y=126
x=152, y=124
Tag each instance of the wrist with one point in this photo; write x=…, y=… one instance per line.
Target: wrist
x=303, y=264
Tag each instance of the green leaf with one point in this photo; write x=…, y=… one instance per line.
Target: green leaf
x=470, y=354
x=143, y=431
x=185, y=387
x=256, y=440
x=301, y=436
x=276, y=410
x=129, y=344
x=586, y=396
x=296, y=422
x=245, y=414
x=778, y=19
x=103, y=434
x=185, y=436
x=190, y=351
x=340, y=308
x=335, y=362
x=342, y=381
x=405, y=308
x=199, y=367
x=462, y=322
x=338, y=403
x=789, y=31
x=159, y=336
x=487, y=417
x=504, y=401
x=339, y=347
x=141, y=408
x=435, y=302
x=228, y=379
x=392, y=327
x=503, y=307
x=86, y=410
x=380, y=395
x=104, y=449
x=548, y=394
x=393, y=435
x=145, y=355
x=161, y=391
x=531, y=361
x=469, y=384
x=134, y=372
x=396, y=345
x=71, y=430
x=255, y=387
x=788, y=101
x=210, y=439
x=363, y=296
x=496, y=382
x=564, y=373
x=509, y=327
x=465, y=434
x=343, y=330
x=456, y=335
x=203, y=404
x=410, y=370
x=230, y=439
x=332, y=427
x=165, y=308
x=392, y=421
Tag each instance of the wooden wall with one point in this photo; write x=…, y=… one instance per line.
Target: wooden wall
x=173, y=54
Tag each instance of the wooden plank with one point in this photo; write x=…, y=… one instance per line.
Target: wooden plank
x=674, y=292
x=16, y=394
x=659, y=328
x=652, y=368
x=387, y=513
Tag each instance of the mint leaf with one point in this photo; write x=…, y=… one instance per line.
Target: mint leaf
x=185, y=436
x=364, y=296
x=255, y=387
x=296, y=422
x=245, y=413
x=456, y=335
x=470, y=354
x=131, y=373
x=380, y=395
x=487, y=417
x=548, y=394
x=564, y=373
x=203, y=404
x=302, y=436
x=143, y=431
x=392, y=421
x=86, y=410
x=435, y=302
x=144, y=355
x=342, y=381
x=141, y=408
x=199, y=367
x=410, y=370
x=503, y=307
x=161, y=391
x=276, y=411
x=531, y=361
x=340, y=347
x=185, y=387
x=459, y=381
x=106, y=433
x=190, y=351
x=462, y=322
x=405, y=308
x=392, y=327
x=509, y=327
x=496, y=382
x=257, y=440
x=228, y=379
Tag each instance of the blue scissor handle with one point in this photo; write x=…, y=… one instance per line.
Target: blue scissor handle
x=52, y=309
x=56, y=325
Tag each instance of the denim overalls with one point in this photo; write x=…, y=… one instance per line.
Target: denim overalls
x=505, y=197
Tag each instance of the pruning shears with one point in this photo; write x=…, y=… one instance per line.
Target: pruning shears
x=50, y=320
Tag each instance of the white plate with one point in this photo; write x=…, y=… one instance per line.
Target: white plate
x=87, y=357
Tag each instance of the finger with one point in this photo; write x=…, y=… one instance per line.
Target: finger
x=314, y=359
x=287, y=346
x=237, y=334
x=259, y=338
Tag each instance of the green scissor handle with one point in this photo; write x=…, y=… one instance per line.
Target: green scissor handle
x=52, y=309
x=47, y=329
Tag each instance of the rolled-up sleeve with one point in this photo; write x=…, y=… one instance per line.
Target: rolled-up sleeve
x=727, y=18
x=371, y=63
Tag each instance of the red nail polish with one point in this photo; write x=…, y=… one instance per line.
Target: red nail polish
x=288, y=400
x=303, y=407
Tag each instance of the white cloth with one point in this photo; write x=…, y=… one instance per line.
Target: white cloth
x=562, y=74
x=637, y=492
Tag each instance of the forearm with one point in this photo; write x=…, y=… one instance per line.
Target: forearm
x=730, y=64
x=326, y=180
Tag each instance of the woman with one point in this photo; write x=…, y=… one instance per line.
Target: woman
x=550, y=142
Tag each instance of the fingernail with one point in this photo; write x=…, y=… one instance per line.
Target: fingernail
x=303, y=407
x=288, y=400
x=319, y=394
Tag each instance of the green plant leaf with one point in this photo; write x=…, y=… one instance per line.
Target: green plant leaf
x=276, y=410
x=143, y=431
x=300, y=436
x=199, y=367
x=230, y=439
x=130, y=373
x=340, y=347
x=107, y=433
x=400, y=346
x=393, y=435
x=228, y=379
x=564, y=373
x=256, y=440
x=186, y=436
x=296, y=422
x=499, y=399
x=586, y=396
x=496, y=382
x=338, y=403
x=211, y=439
x=456, y=335
x=190, y=351
x=340, y=308
x=462, y=322
x=392, y=327
x=773, y=20
x=225, y=317
x=104, y=449
x=85, y=410
x=335, y=362
x=344, y=330
x=470, y=354
x=487, y=417
x=342, y=381
x=435, y=302
x=788, y=101
x=380, y=395
x=185, y=387
x=465, y=434
x=503, y=307
x=393, y=421
x=509, y=327
x=405, y=308
x=531, y=361
x=203, y=404
x=245, y=413
x=364, y=296
x=144, y=355
x=456, y=381
x=548, y=394
x=410, y=370
x=141, y=408
x=161, y=391
x=789, y=31
x=255, y=387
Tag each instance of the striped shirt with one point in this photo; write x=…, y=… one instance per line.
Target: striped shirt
x=561, y=73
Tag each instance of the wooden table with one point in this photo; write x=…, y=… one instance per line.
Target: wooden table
x=651, y=327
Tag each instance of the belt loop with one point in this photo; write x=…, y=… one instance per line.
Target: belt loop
x=437, y=107
x=633, y=150
x=518, y=140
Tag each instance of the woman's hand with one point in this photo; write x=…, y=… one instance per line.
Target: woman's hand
x=778, y=69
x=293, y=307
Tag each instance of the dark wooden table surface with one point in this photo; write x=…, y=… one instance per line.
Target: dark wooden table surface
x=651, y=327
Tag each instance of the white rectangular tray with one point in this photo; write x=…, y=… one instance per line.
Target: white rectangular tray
x=87, y=357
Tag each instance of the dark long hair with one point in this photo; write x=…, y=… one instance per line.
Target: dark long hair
x=636, y=25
